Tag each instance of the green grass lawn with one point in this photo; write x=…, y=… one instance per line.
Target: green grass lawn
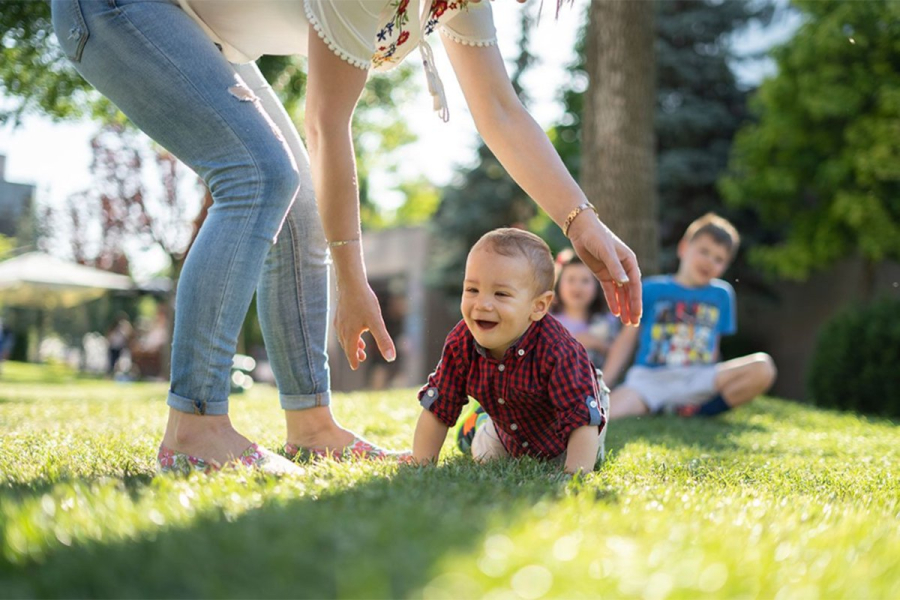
x=778, y=500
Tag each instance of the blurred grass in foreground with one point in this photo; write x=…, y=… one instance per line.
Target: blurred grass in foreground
x=777, y=500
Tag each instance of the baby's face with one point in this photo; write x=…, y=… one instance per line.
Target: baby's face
x=498, y=300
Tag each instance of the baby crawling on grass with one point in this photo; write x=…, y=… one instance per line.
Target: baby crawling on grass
x=538, y=391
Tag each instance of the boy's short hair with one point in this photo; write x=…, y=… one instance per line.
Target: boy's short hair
x=508, y=241
x=718, y=228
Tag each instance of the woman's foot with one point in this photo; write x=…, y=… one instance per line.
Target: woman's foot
x=254, y=457
x=313, y=433
x=211, y=439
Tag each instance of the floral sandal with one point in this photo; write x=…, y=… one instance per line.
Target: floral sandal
x=359, y=449
x=254, y=457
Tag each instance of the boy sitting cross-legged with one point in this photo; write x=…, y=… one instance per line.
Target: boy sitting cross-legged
x=677, y=366
x=532, y=378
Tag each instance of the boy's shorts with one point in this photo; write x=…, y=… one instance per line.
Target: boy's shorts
x=672, y=386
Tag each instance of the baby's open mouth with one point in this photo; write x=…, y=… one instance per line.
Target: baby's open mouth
x=485, y=324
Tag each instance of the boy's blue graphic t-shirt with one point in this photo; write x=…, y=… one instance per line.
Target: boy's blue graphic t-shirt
x=681, y=325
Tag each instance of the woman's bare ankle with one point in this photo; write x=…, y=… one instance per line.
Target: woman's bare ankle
x=210, y=437
x=316, y=428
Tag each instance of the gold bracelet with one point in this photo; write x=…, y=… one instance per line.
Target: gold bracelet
x=342, y=243
x=575, y=212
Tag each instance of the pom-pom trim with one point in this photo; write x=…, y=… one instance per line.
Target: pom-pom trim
x=460, y=40
x=359, y=64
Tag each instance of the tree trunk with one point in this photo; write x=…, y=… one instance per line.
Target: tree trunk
x=618, y=168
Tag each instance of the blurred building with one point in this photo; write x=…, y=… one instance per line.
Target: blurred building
x=16, y=201
x=417, y=318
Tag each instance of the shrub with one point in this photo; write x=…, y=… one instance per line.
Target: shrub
x=856, y=364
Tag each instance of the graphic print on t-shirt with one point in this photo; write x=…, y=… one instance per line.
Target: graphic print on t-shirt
x=681, y=333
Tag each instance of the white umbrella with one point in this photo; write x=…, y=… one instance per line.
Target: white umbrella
x=38, y=280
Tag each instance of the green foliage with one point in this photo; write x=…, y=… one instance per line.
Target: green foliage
x=822, y=165
x=7, y=245
x=34, y=75
x=422, y=200
x=855, y=362
x=774, y=500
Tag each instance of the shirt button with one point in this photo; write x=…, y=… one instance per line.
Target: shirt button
x=521, y=353
x=524, y=444
x=501, y=401
x=593, y=404
x=431, y=392
x=513, y=426
x=500, y=368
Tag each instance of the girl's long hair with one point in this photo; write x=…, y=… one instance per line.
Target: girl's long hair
x=564, y=259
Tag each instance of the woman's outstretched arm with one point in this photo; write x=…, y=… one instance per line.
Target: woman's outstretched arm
x=523, y=148
x=333, y=89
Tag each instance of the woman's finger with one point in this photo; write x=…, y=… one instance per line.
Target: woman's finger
x=635, y=293
x=383, y=341
x=624, y=303
x=611, y=295
x=614, y=264
x=633, y=289
x=351, y=352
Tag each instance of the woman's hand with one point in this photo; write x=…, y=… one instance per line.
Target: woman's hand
x=528, y=156
x=358, y=311
x=612, y=262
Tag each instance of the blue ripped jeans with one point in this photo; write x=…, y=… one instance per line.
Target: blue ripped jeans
x=263, y=231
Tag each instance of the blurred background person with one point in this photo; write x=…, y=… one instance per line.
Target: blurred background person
x=579, y=306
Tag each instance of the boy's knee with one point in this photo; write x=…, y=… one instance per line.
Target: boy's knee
x=765, y=368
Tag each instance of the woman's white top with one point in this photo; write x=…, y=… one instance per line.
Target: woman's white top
x=376, y=34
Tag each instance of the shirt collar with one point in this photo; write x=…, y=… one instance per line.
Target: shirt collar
x=520, y=347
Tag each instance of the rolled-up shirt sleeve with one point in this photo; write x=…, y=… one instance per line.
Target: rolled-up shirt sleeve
x=472, y=26
x=348, y=27
x=574, y=391
x=445, y=392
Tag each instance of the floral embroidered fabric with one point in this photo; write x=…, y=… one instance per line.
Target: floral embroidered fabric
x=170, y=461
x=399, y=36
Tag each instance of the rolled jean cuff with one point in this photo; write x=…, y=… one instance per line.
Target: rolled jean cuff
x=197, y=407
x=305, y=401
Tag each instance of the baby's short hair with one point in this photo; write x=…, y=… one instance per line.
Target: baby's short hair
x=718, y=228
x=508, y=241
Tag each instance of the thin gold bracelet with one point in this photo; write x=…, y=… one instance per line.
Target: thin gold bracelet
x=342, y=243
x=575, y=212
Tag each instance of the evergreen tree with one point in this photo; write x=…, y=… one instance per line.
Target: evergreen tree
x=700, y=107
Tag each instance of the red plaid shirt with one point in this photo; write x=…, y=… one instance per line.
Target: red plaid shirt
x=544, y=388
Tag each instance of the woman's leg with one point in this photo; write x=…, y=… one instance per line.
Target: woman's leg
x=164, y=73
x=292, y=298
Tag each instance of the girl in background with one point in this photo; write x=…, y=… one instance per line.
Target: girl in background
x=579, y=306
